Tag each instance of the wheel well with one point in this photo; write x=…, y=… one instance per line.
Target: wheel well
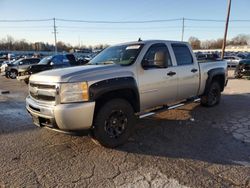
x=13, y=70
x=127, y=94
x=220, y=79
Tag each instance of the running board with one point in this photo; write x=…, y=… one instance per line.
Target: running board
x=165, y=108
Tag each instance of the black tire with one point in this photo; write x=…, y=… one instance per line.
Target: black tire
x=114, y=123
x=7, y=74
x=13, y=74
x=26, y=81
x=212, y=96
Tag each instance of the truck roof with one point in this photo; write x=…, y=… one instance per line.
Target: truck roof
x=150, y=42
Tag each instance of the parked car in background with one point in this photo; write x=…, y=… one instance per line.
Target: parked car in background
x=232, y=61
x=18, y=66
x=243, y=55
x=83, y=59
x=4, y=67
x=47, y=63
x=242, y=69
x=207, y=56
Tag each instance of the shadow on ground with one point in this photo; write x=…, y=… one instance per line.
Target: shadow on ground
x=193, y=132
x=14, y=118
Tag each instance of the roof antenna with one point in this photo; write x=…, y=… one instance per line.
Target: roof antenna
x=139, y=40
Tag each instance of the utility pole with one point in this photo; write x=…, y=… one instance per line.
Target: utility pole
x=226, y=28
x=183, y=26
x=55, y=35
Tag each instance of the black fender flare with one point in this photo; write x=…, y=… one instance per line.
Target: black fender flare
x=211, y=74
x=103, y=87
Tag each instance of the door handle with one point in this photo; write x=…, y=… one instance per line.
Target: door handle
x=194, y=70
x=171, y=73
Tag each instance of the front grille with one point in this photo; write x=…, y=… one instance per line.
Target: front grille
x=42, y=92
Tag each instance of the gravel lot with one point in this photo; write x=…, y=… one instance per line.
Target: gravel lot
x=191, y=146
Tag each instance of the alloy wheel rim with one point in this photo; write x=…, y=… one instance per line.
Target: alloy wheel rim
x=116, y=123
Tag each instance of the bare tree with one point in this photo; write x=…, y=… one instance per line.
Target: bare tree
x=195, y=43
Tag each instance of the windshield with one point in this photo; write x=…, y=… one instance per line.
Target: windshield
x=45, y=60
x=122, y=55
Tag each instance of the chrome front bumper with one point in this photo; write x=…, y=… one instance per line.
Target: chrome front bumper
x=64, y=117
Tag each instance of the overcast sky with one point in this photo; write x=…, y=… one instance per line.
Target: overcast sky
x=115, y=10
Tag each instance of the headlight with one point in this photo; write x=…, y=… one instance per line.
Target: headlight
x=74, y=92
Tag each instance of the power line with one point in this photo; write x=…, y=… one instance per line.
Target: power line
x=214, y=20
x=119, y=22
x=25, y=27
x=28, y=20
x=123, y=22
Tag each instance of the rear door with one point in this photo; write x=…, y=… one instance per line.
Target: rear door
x=34, y=61
x=24, y=64
x=187, y=70
x=155, y=85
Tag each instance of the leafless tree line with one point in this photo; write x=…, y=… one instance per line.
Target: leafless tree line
x=10, y=44
x=239, y=40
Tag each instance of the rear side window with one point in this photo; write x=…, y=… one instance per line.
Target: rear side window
x=182, y=54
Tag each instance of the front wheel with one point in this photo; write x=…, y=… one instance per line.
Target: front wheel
x=212, y=96
x=114, y=123
x=13, y=74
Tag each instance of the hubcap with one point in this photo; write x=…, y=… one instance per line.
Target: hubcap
x=12, y=74
x=116, y=123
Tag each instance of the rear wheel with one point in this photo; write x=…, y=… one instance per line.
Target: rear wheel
x=114, y=123
x=212, y=96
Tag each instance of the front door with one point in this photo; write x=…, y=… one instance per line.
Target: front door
x=157, y=85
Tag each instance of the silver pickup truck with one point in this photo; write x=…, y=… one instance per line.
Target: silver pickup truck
x=123, y=82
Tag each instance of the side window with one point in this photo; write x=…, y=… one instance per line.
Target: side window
x=57, y=60
x=34, y=61
x=69, y=59
x=25, y=62
x=157, y=53
x=182, y=54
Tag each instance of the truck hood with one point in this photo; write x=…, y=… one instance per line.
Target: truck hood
x=81, y=73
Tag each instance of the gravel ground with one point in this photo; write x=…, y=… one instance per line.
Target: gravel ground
x=191, y=146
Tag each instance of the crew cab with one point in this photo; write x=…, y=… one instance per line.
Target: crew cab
x=123, y=82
